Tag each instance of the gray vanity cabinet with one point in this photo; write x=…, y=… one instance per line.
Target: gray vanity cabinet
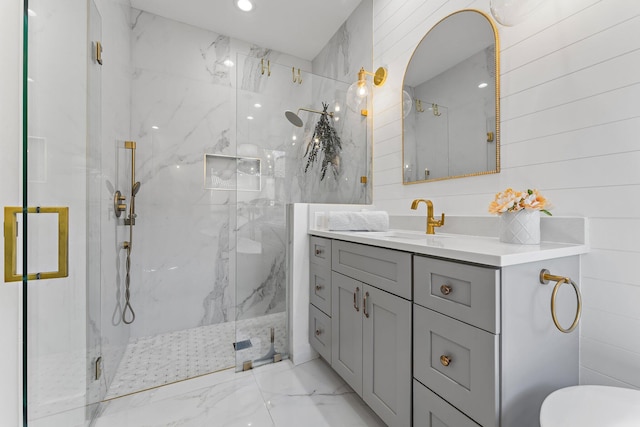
x=371, y=329
x=433, y=341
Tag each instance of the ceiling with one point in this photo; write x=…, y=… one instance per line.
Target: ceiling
x=299, y=28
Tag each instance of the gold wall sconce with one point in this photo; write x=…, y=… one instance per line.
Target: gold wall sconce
x=359, y=91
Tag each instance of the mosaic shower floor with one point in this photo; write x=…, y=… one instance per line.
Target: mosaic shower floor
x=158, y=360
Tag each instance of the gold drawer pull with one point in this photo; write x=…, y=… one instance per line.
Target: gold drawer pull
x=355, y=299
x=364, y=303
x=445, y=360
x=446, y=289
x=318, y=332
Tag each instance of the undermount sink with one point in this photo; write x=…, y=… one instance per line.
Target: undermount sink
x=394, y=234
x=403, y=235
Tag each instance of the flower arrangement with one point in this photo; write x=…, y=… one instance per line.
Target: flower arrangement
x=513, y=201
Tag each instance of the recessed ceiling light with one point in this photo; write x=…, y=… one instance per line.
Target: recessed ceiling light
x=228, y=63
x=257, y=105
x=155, y=127
x=244, y=5
x=249, y=117
x=31, y=12
x=483, y=85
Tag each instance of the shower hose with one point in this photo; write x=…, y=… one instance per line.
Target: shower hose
x=127, y=282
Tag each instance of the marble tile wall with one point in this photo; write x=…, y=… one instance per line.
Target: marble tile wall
x=346, y=52
x=188, y=239
x=184, y=257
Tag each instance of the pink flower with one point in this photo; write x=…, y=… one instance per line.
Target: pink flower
x=513, y=201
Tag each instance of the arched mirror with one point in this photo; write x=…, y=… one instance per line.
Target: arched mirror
x=451, y=101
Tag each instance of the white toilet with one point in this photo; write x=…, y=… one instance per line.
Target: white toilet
x=591, y=406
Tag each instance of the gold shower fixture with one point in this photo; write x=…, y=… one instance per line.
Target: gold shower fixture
x=359, y=91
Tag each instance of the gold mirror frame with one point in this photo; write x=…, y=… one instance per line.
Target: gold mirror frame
x=497, y=100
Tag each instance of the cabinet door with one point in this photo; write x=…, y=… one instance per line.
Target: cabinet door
x=387, y=356
x=346, y=329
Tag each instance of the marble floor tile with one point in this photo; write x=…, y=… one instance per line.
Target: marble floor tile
x=277, y=395
x=228, y=404
x=313, y=395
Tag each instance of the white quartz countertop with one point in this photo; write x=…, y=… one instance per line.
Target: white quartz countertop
x=476, y=249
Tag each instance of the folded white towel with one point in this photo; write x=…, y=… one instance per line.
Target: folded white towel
x=359, y=221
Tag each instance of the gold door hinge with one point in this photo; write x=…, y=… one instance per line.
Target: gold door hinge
x=98, y=52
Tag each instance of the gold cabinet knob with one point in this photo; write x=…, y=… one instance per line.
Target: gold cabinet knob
x=318, y=332
x=319, y=252
x=318, y=287
x=445, y=360
x=446, y=289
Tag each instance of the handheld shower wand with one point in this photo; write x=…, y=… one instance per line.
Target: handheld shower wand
x=130, y=221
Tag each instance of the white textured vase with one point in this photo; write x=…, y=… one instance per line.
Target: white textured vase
x=521, y=227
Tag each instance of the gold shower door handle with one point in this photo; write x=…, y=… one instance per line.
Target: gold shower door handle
x=11, y=243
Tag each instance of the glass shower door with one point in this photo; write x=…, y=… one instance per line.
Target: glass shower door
x=284, y=171
x=56, y=250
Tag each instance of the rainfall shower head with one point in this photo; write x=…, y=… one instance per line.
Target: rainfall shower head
x=135, y=188
x=293, y=118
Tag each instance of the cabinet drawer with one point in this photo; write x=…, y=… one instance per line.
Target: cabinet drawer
x=320, y=251
x=386, y=269
x=429, y=410
x=320, y=332
x=320, y=287
x=464, y=292
x=459, y=362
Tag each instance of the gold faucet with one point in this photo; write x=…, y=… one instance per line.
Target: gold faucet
x=431, y=221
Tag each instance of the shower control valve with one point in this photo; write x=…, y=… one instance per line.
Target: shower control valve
x=118, y=207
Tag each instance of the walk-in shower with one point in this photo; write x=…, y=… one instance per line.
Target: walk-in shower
x=193, y=118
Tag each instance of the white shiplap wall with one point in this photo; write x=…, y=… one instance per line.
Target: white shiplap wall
x=570, y=107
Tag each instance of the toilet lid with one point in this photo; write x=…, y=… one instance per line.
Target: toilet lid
x=591, y=406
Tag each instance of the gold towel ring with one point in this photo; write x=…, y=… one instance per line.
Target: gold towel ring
x=545, y=276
